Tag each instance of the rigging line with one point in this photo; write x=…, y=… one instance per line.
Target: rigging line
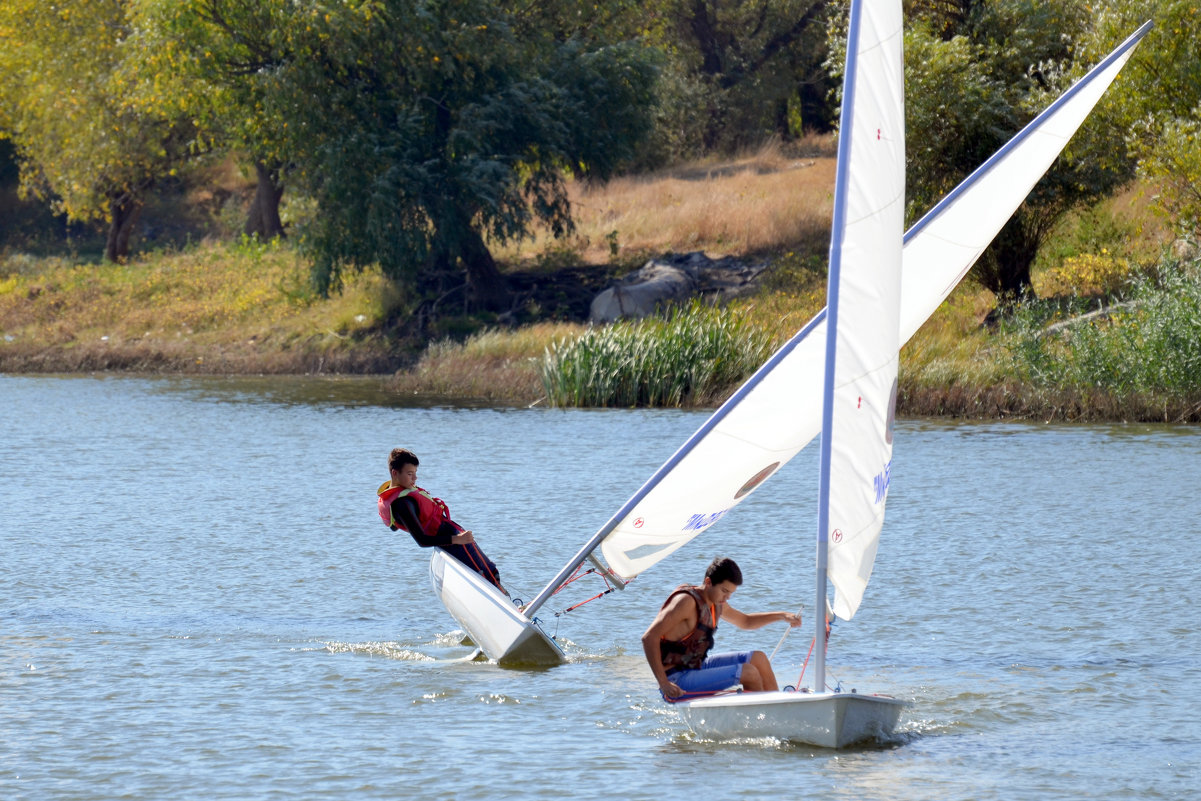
x=805, y=664
x=574, y=607
x=575, y=577
x=784, y=636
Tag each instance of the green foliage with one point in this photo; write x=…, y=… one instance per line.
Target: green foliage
x=224, y=55
x=739, y=74
x=91, y=133
x=440, y=125
x=1150, y=343
x=693, y=355
x=1158, y=98
x=956, y=115
x=975, y=74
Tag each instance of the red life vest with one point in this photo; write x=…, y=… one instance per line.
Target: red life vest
x=690, y=652
x=431, y=511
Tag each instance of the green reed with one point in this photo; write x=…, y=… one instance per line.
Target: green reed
x=1151, y=343
x=688, y=358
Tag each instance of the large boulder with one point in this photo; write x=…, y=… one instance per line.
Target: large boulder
x=672, y=279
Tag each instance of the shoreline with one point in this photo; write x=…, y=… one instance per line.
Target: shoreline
x=1008, y=402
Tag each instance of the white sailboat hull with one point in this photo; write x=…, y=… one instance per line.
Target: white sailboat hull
x=828, y=720
x=502, y=632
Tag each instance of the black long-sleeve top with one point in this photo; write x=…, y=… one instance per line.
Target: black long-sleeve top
x=405, y=510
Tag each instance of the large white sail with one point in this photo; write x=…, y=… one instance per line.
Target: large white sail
x=778, y=411
x=863, y=304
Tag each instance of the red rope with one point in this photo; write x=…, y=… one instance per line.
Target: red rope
x=805, y=664
x=578, y=575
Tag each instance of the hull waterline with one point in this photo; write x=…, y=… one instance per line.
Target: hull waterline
x=828, y=720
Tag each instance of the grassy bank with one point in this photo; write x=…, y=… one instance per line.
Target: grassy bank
x=240, y=308
x=246, y=307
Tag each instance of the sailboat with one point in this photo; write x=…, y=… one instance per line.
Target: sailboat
x=859, y=391
x=806, y=386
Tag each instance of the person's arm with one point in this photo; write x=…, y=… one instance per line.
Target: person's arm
x=405, y=510
x=668, y=620
x=757, y=620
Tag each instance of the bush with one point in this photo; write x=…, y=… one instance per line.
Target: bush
x=1149, y=344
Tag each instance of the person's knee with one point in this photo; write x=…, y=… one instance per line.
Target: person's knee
x=751, y=679
x=766, y=678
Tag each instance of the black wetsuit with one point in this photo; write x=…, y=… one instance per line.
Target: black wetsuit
x=404, y=509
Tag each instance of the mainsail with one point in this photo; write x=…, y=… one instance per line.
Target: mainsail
x=768, y=420
x=863, y=305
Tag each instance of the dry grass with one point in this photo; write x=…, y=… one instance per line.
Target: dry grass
x=495, y=366
x=761, y=202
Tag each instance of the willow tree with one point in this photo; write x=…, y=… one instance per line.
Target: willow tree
x=75, y=107
x=976, y=73
x=424, y=130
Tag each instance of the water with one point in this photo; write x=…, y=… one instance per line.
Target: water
x=197, y=600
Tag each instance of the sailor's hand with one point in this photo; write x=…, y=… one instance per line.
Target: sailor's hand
x=671, y=690
x=793, y=620
x=463, y=538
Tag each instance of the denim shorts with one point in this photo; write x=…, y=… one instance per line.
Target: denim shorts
x=718, y=672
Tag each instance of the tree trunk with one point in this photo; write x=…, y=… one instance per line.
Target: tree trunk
x=264, y=209
x=124, y=211
x=488, y=289
x=815, y=110
x=1006, y=268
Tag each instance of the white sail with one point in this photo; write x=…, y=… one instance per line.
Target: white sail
x=863, y=304
x=777, y=411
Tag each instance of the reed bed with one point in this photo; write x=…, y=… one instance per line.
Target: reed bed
x=692, y=357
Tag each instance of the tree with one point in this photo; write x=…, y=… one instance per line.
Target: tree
x=1157, y=99
x=424, y=129
x=743, y=71
x=976, y=73
x=74, y=106
x=225, y=54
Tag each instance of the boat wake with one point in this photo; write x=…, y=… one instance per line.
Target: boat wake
x=390, y=650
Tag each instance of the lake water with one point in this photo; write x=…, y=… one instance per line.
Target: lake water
x=197, y=600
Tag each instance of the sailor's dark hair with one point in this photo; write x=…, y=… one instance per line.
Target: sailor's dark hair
x=724, y=569
x=399, y=457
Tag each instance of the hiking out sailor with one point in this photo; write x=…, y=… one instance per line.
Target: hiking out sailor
x=404, y=505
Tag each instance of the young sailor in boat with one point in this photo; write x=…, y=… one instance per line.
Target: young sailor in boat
x=678, y=641
x=404, y=505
